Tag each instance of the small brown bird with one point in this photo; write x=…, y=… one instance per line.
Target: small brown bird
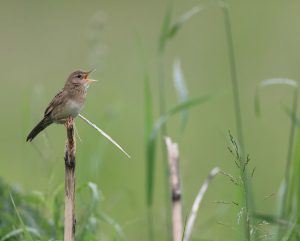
x=67, y=103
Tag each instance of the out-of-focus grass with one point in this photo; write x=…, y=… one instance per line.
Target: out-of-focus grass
x=168, y=32
x=43, y=42
x=287, y=208
x=35, y=215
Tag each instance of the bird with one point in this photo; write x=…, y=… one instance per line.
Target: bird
x=67, y=103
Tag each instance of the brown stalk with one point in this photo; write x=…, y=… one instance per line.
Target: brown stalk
x=70, y=221
x=173, y=160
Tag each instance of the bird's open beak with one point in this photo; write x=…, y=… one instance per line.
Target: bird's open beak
x=88, y=80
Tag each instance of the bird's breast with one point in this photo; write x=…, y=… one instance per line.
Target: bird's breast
x=73, y=107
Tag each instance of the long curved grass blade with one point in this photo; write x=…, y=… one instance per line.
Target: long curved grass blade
x=292, y=116
x=169, y=30
x=194, y=211
x=90, y=210
x=152, y=137
x=118, y=229
x=57, y=207
x=183, y=19
x=24, y=228
x=175, y=110
x=104, y=134
x=94, y=190
x=165, y=28
x=293, y=192
x=267, y=83
x=163, y=119
x=189, y=104
x=17, y=232
x=285, y=207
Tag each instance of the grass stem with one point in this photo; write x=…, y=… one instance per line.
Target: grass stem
x=288, y=171
x=249, y=203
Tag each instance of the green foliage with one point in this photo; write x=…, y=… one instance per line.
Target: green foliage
x=152, y=136
x=150, y=146
x=168, y=31
x=288, y=208
x=242, y=163
x=20, y=215
x=269, y=83
x=29, y=216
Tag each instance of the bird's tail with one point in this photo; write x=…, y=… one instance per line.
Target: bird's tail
x=39, y=127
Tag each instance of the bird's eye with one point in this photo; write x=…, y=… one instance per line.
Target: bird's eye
x=79, y=76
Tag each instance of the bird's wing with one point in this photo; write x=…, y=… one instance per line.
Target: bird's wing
x=56, y=101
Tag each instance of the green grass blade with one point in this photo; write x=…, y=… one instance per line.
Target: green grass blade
x=90, y=211
x=118, y=229
x=165, y=28
x=267, y=83
x=182, y=20
x=285, y=201
x=189, y=104
x=150, y=145
x=293, y=191
x=25, y=230
x=57, y=210
x=15, y=233
x=257, y=108
x=175, y=110
x=152, y=137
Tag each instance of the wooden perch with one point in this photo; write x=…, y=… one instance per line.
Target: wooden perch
x=70, y=221
x=173, y=160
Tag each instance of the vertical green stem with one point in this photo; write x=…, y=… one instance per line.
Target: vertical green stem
x=287, y=176
x=233, y=74
x=238, y=117
x=162, y=111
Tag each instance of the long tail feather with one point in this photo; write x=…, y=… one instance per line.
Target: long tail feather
x=39, y=127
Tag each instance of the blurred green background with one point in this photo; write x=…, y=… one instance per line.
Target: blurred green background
x=42, y=42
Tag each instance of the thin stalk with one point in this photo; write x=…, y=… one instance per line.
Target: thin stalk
x=69, y=219
x=234, y=80
x=162, y=111
x=238, y=117
x=176, y=196
x=287, y=177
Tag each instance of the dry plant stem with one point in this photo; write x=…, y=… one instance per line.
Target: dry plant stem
x=104, y=134
x=173, y=160
x=193, y=214
x=70, y=221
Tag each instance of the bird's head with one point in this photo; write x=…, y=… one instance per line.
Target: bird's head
x=80, y=78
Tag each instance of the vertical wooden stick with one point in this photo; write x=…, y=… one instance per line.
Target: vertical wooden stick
x=70, y=221
x=173, y=160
